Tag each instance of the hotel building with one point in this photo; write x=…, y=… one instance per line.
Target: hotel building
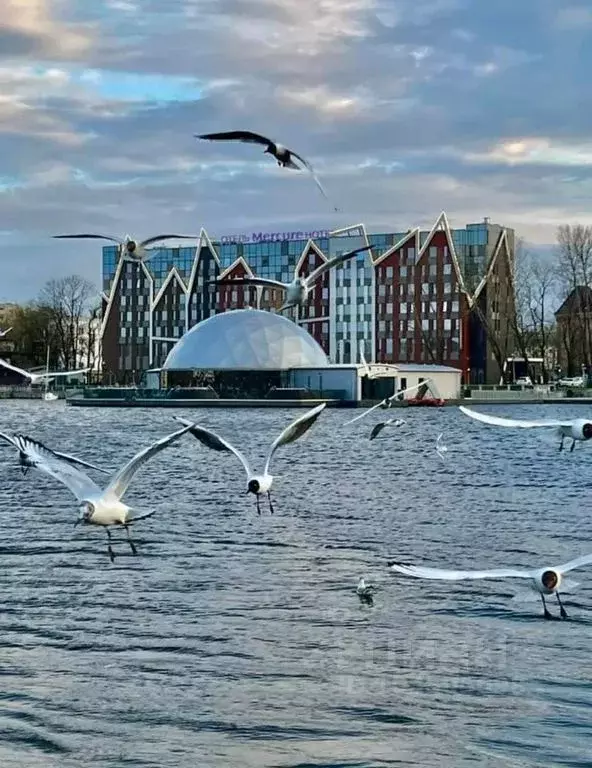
x=422, y=296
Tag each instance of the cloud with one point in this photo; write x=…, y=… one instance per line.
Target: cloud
x=28, y=28
x=404, y=109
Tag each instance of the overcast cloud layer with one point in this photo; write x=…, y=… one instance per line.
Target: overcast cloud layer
x=405, y=107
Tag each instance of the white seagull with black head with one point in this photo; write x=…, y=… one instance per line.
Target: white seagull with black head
x=257, y=484
x=128, y=248
x=574, y=429
x=29, y=456
x=546, y=581
x=283, y=155
x=298, y=290
x=103, y=506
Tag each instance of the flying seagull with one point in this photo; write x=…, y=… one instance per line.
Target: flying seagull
x=545, y=581
x=297, y=291
x=36, y=378
x=388, y=401
x=257, y=484
x=575, y=429
x=29, y=456
x=377, y=429
x=441, y=449
x=5, y=333
x=97, y=506
x=283, y=155
x=130, y=249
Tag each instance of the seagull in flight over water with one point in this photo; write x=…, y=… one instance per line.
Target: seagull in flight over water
x=257, y=484
x=36, y=378
x=29, y=457
x=130, y=249
x=546, y=581
x=98, y=506
x=283, y=155
x=388, y=403
x=574, y=429
x=297, y=291
x=377, y=429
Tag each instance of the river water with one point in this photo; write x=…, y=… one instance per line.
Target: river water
x=238, y=640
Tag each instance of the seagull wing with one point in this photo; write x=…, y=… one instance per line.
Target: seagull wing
x=52, y=464
x=377, y=429
x=319, y=271
x=497, y=421
x=8, y=439
x=295, y=430
x=251, y=281
x=73, y=460
x=422, y=572
x=4, y=333
x=579, y=561
x=120, y=482
x=384, y=402
x=158, y=238
x=117, y=240
x=62, y=373
x=17, y=369
x=215, y=442
x=247, y=137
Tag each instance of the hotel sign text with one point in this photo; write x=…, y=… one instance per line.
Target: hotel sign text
x=274, y=237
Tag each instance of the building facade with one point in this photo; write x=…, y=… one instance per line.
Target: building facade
x=441, y=296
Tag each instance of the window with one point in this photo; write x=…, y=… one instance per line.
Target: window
x=389, y=273
x=448, y=269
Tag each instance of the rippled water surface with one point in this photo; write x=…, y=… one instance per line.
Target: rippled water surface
x=238, y=640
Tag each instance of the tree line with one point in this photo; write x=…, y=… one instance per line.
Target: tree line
x=64, y=318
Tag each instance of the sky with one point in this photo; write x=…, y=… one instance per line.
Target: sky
x=404, y=107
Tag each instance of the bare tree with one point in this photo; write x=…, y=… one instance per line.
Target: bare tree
x=67, y=301
x=574, y=272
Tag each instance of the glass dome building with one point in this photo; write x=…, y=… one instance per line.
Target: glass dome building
x=245, y=340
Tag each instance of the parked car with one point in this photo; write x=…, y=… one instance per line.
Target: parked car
x=524, y=381
x=574, y=381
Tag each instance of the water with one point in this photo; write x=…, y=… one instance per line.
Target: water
x=238, y=640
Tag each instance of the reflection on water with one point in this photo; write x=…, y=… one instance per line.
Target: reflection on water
x=239, y=640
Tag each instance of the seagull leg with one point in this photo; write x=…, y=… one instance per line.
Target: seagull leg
x=573, y=445
x=561, y=443
x=109, y=547
x=546, y=614
x=562, y=609
x=270, y=504
x=258, y=505
x=129, y=541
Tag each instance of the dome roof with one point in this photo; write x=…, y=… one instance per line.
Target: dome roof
x=245, y=339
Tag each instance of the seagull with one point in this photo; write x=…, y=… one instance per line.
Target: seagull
x=36, y=378
x=377, y=429
x=440, y=448
x=130, y=249
x=365, y=592
x=388, y=401
x=5, y=333
x=297, y=291
x=545, y=581
x=283, y=155
x=257, y=484
x=98, y=506
x=575, y=429
x=28, y=456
